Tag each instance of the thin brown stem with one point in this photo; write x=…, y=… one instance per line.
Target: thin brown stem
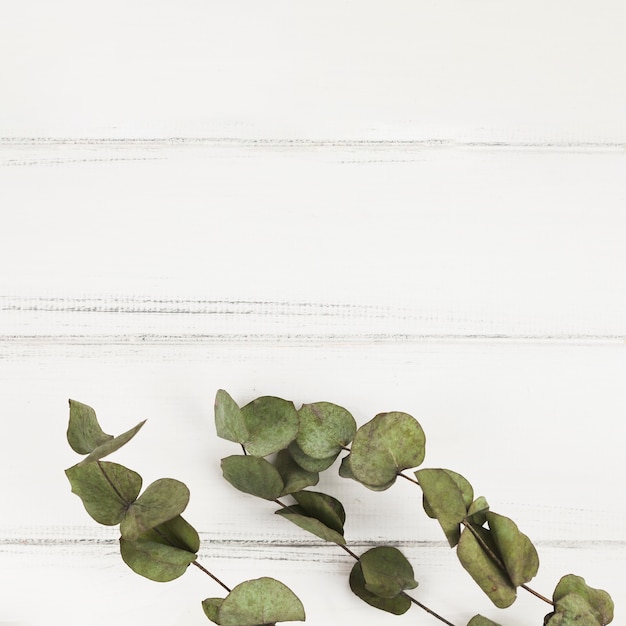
x=215, y=578
x=537, y=594
x=430, y=611
x=412, y=480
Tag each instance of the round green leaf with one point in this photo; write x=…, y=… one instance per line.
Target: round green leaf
x=163, y=500
x=324, y=429
x=294, y=477
x=479, y=620
x=106, y=489
x=272, y=425
x=345, y=471
x=386, y=572
x=446, y=496
x=398, y=605
x=597, y=599
x=481, y=567
x=176, y=532
x=83, y=432
x=308, y=462
x=253, y=475
x=211, y=608
x=573, y=610
x=386, y=445
x=515, y=549
x=260, y=601
x=155, y=560
x=229, y=422
x=323, y=507
x=297, y=515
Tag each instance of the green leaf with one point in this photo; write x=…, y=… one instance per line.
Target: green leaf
x=253, y=475
x=386, y=445
x=598, y=600
x=488, y=575
x=479, y=620
x=211, y=607
x=447, y=496
x=163, y=500
x=111, y=445
x=297, y=515
x=345, y=471
x=294, y=477
x=477, y=512
x=573, y=610
x=323, y=507
x=308, y=462
x=155, y=560
x=386, y=572
x=229, y=421
x=106, y=489
x=272, y=425
x=260, y=601
x=84, y=433
x=175, y=532
x=515, y=549
x=324, y=429
x=398, y=605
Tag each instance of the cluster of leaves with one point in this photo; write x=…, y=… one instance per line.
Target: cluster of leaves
x=156, y=541
x=285, y=449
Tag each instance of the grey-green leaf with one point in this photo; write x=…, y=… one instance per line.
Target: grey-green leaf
x=155, y=560
x=573, y=610
x=211, y=608
x=479, y=620
x=398, y=605
x=162, y=500
x=598, y=600
x=272, y=425
x=515, y=549
x=83, y=432
x=297, y=515
x=260, y=601
x=325, y=428
x=481, y=567
x=345, y=471
x=386, y=445
x=111, y=445
x=386, y=572
x=323, y=507
x=106, y=489
x=308, y=462
x=477, y=512
x=229, y=421
x=176, y=532
x=447, y=496
x=253, y=475
x=293, y=475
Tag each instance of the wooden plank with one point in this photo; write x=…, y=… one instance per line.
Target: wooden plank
x=426, y=241
x=411, y=70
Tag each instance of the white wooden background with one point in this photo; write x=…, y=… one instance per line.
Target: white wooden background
x=393, y=206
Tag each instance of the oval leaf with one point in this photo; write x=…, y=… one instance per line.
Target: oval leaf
x=106, y=489
x=229, y=422
x=294, y=477
x=345, y=471
x=386, y=572
x=398, y=605
x=308, y=462
x=253, y=475
x=176, y=532
x=211, y=608
x=163, y=500
x=515, y=549
x=154, y=560
x=573, y=610
x=83, y=432
x=272, y=425
x=325, y=428
x=260, y=601
x=298, y=516
x=446, y=496
x=386, y=445
x=481, y=567
x=323, y=507
x=598, y=599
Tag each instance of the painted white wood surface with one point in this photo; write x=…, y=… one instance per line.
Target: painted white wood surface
x=414, y=207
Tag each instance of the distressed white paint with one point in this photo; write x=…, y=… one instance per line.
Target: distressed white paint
x=417, y=207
